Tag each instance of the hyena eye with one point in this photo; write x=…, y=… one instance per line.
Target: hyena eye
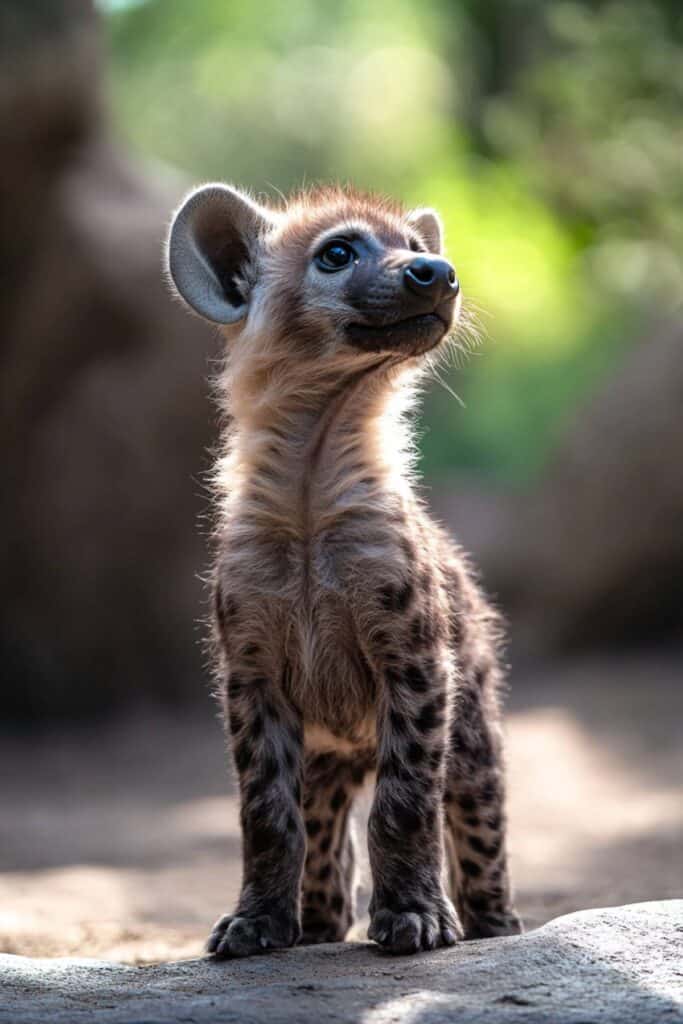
x=335, y=255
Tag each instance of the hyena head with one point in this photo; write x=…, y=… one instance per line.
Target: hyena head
x=334, y=275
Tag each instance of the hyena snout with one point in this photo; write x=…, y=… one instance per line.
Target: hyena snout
x=432, y=278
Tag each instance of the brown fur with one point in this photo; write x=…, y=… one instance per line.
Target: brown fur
x=350, y=634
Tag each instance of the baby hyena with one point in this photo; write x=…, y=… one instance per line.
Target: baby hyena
x=351, y=635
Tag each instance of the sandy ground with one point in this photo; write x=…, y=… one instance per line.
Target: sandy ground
x=122, y=841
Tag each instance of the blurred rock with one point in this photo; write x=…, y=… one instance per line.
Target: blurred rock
x=104, y=418
x=613, y=965
x=593, y=555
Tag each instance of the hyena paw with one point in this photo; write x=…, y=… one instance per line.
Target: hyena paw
x=490, y=925
x=235, y=935
x=412, y=931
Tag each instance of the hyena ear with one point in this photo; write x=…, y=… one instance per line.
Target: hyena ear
x=211, y=251
x=428, y=225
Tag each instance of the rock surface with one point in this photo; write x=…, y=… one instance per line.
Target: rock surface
x=619, y=965
x=104, y=412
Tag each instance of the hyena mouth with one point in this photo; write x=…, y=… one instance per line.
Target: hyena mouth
x=415, y=333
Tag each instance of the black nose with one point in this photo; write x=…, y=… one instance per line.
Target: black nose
x=431, y=277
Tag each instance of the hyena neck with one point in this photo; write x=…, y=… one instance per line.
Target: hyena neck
x=311, y=446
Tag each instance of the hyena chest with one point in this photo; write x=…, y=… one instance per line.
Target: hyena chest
x=312, y=606
x=333, y=669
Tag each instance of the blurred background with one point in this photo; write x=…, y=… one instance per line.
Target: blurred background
x=550, y=137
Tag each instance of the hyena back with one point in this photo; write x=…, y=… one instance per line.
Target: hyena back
x=351, y=637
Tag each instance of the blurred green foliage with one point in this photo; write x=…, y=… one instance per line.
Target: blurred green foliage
x=549, y=135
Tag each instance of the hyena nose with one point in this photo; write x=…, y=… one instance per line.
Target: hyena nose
x=432, y=278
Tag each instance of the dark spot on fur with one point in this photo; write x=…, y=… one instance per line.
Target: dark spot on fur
x=338, y=798
x=406, y=818
x=396, y=599
x=415, y=678
x=358, y=774
x=313, y=826
x=477, y=843
x=470, y=868
x=429, y=718
x=415, y=753
x=325, y=872
x=325, y=844
x=226, y=608
x=380, y=638
x=435, y=759
x=467, y=802
x=484, y=752
x=456, y=629
x=398, y=722
x=322, y=762
x=493, y=848
x=235, y=686
x=472, y=821
x=392, y=676
x=269, y=709
x=495, y=822
x=256, y=727
x=337, y=904
x=393, y=767
x=488, y=792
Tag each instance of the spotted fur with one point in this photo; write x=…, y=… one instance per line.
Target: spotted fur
x=351, y=637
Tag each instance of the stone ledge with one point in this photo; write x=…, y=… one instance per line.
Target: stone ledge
x=622, y=965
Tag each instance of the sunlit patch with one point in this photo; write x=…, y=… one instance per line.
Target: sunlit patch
x=569, y=796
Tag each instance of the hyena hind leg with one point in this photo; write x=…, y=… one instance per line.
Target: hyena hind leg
x=475, y=818
x=330, y=784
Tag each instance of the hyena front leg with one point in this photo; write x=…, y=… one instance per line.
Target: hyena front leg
x=267, y=745
x=330, y=784
x=475, y=814
x=410, y=909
